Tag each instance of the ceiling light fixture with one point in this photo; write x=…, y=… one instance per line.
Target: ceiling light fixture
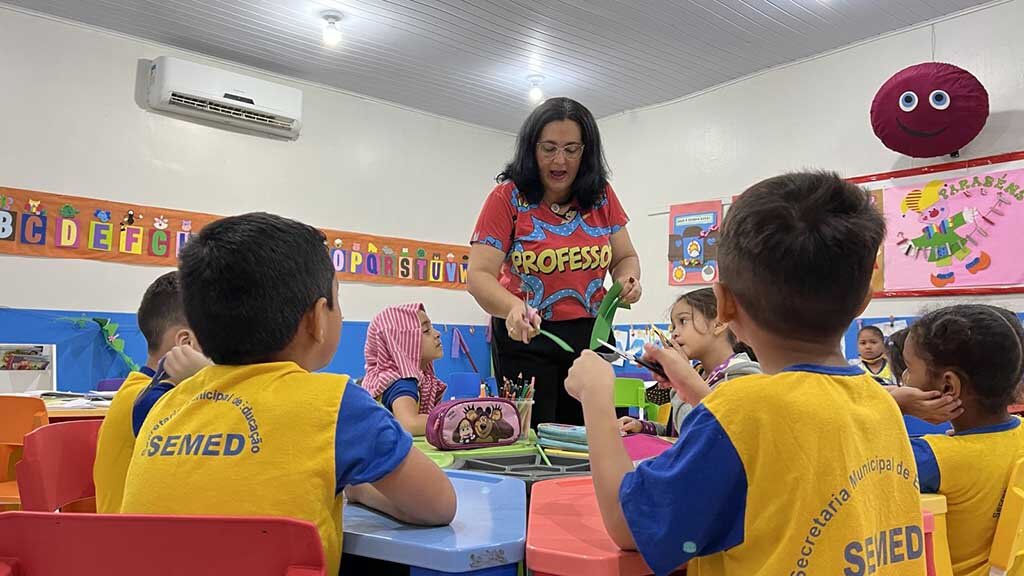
x=536, y=95
x=332, y=33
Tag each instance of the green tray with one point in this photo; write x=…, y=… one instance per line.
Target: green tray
x=525, y=447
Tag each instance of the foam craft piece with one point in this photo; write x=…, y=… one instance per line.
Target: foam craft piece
x=606, y=315
x=930, y=109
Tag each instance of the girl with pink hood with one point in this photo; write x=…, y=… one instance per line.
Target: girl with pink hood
x=401, y=346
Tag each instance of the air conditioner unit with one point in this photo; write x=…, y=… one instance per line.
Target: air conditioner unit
x=190, y=89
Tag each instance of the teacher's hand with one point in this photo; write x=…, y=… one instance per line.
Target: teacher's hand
x=631, y=290
x=523, y=323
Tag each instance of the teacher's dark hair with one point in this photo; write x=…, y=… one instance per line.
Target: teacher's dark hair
x=592, y=177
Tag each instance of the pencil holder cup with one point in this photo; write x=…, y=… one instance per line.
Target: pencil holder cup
x=525, y=408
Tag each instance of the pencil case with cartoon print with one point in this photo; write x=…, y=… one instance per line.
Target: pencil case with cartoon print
x=470, y=423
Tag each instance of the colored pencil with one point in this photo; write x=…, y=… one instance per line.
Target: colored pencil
x=543, y=455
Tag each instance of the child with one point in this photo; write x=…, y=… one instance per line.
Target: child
x=932, y=406
x=401, y=346
x=805, y=469
x=161, y=318
x=894, y=353
x=974, y=352
x=259, y=434
x=871, y=348
x=698, y=335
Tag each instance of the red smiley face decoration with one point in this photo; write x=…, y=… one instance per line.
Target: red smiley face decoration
x=929, y=109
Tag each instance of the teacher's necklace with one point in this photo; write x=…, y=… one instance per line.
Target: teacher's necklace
x=564, y=211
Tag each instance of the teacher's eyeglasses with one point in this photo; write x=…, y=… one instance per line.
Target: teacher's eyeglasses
x=548, y=150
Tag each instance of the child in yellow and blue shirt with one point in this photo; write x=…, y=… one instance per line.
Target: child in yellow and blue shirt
x=259, y=433
x=805, y=469
x=872, y=357
x=161, y=319
x=974, y=352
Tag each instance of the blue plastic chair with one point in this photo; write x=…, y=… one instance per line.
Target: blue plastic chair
x=463, y=385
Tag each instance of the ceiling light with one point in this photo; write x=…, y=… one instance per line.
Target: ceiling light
x=332, y=33
x=536, y=95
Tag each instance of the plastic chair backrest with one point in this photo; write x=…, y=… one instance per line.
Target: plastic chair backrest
x=124, y=544
x=20, y=415
x=56, y=466
x=629, y=392
x=463, y=385
x=664, y=413
x=1008, y=540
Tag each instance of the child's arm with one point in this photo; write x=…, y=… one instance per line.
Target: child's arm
x=407, y=412
x=689, y=501
x=591, y=381
x=928, y=476
x=376, y=464
x=402, y=398
x=417, y=492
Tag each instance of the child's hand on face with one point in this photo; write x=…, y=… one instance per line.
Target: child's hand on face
x=681, y=376
x=931, y=406
x=630, y=425
x=590, y=374
x=183, y=362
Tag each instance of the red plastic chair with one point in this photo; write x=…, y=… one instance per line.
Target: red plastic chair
x=56, y=467
x=40, y=543
x=19, y=415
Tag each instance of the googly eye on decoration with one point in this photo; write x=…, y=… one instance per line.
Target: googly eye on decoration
x=939, y=99
x=908, y=101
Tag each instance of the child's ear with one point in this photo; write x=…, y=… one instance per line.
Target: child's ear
x=317, y=320
x=185, y=337
x=951, y=384
x=726, y=303
x=720, y=327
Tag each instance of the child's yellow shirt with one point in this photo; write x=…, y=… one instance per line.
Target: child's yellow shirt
x=808, y=471
x=263, y=440
x=971, y=469
x=115, y=443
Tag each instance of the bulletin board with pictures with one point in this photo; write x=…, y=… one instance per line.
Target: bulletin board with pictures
x=952, y=229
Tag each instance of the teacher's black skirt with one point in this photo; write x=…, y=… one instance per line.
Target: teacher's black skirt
x=544, y=360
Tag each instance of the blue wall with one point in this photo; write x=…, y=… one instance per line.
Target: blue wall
x=850, y=339
x=83, y=358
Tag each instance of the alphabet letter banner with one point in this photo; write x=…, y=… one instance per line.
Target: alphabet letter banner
x=43, y=225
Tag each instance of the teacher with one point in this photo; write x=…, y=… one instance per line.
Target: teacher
x=545, y=239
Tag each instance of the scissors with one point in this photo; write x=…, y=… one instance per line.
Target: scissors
x=636, y=359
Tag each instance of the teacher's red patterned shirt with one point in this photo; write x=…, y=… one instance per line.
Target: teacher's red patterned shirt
x=558, y=261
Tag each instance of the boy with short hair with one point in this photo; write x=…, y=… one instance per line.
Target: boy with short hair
x=161, y=319
x=805, y=469
x=258, y=433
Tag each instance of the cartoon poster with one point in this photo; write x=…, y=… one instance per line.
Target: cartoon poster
x=955, y=230
x=44, y=225
x=693, y=243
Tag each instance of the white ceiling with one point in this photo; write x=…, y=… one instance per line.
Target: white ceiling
x=469, y=59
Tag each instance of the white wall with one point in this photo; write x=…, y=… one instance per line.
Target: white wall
x=71, y=126
x=811, y=114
